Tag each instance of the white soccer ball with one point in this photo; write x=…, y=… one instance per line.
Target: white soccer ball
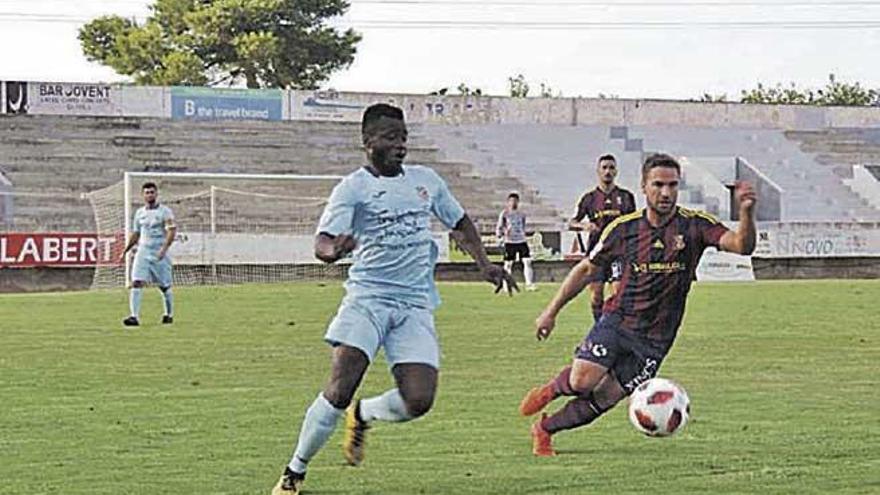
x=659, y=407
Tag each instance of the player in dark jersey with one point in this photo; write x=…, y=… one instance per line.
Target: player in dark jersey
x=600, y=207
x=660, y=247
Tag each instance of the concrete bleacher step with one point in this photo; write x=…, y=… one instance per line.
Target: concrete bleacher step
x=84, y=154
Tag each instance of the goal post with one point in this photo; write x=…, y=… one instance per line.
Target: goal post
x=231, y=228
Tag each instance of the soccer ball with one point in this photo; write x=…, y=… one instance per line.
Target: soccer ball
x=659, y=407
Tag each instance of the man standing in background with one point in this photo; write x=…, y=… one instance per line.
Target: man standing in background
x=600, y=207
x=152, y=231
x=511, y=231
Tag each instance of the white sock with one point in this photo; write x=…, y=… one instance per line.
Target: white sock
x=528, y=272
x=318, y=425
x=134, y=301
x=508, y=267
x=168, y=298
x=386, y=407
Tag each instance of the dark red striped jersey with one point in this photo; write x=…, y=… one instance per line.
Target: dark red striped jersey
x=658, y=266
x=603, y=208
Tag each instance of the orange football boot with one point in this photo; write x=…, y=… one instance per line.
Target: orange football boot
x=537, y=399
x=542, y=442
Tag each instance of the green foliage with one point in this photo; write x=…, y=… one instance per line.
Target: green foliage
x=783, y=390
x=518, y=87
x=548, y=92
x=462, y=89
x=710, y=98
x=263, y=43
x=835, y=93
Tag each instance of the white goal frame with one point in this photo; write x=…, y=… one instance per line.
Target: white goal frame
x=129, y=176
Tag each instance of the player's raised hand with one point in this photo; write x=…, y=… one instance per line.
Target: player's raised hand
x=498, y=277
x=745, y=194
x=544, y=325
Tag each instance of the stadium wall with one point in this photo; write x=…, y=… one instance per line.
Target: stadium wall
x=800, y=251
x=89, y=99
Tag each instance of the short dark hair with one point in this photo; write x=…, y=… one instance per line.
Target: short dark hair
x=655, y=160
x=606, y=156
x=149, y=185
x=375, y=112
x=513, y=195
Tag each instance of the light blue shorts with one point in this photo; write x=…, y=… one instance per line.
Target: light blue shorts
x=406, y=332
x=147, y=268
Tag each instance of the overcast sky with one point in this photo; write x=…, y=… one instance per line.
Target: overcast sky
x=661, y=49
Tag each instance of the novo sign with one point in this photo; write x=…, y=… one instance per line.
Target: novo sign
x=817, y=239
x=69, y=250
x=226, y=104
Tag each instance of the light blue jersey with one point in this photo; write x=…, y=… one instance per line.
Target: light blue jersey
x=152, y=224
x=390, y=217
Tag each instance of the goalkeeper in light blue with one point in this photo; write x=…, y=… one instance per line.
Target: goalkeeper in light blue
x=381, y=214
x=152, y=231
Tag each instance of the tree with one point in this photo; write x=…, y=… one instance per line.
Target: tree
x=710, y=98
x=264, y=43
x=463, y=90
x=834, y=93
x=847, y=94
x=518, y=86
x=548, y=92
x=778, y=95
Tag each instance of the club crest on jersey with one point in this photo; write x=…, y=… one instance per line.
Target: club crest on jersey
x=423, y=193
x=679, y=243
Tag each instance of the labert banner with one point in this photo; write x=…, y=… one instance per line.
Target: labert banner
x=21, y=250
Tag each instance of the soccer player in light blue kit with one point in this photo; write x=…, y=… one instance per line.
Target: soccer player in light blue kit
x=153, y=231
x=382, y=214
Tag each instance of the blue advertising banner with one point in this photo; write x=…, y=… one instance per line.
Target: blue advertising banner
x=226, y=104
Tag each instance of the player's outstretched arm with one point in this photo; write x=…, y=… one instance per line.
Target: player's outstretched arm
x=576, y=280
x=743, y=240
x=468, y=238
x=330, y=248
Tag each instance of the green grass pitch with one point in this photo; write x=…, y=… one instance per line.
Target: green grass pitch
x=783, y=379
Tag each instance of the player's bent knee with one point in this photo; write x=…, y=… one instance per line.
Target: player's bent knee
x=585, y=375
x=580, y=384
x=419, y=404
x=338, y=395
x=165, y=289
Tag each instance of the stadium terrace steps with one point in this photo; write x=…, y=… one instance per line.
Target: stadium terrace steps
x=550, y=166
x=80, y=154
x=559, y=161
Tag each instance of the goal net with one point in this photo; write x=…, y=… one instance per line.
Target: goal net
x=231, y=228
